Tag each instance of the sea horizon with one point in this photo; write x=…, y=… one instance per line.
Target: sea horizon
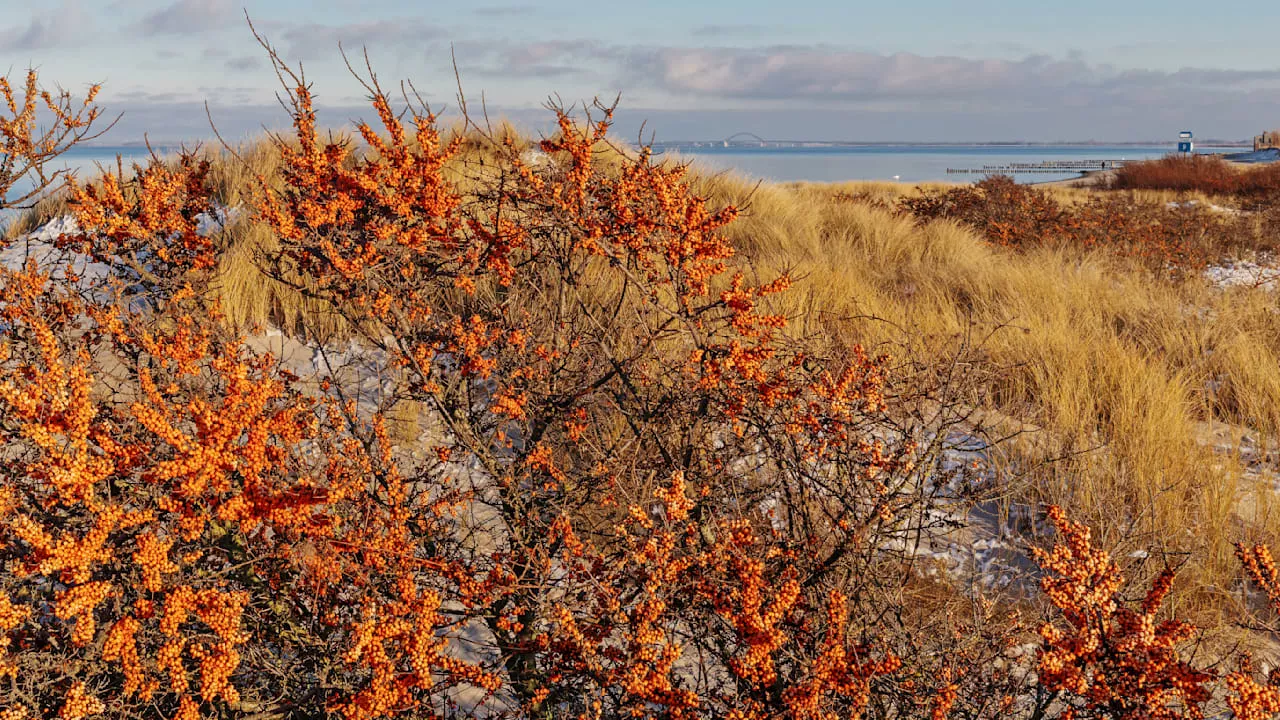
x=803, y=161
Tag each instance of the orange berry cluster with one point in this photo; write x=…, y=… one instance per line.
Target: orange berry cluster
x=1117, y=660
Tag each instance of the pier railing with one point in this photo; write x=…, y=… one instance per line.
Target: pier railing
x=1044, y=166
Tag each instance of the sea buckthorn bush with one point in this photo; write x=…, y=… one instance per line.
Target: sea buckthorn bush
x=630, y=488
x=36, y=126
x=1108, y=658
x=1199, y=173
x=1174, y=237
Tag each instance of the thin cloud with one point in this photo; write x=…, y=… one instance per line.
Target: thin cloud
x=142, y=97
x=539, y=70
x=40, y=33
x=817, y=91
x=812, y=77
x=1004, y=47
x=730, y=29
x=231, y=95
x=312, y=39
x=244, y=63
x=65, y=25
x=827, y=76
x=545, y=52
x=505, y=10
x=557, y=58
x=824, y=76
x=817, y=74
x=189, y=17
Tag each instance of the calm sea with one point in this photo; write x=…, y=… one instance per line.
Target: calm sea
x=905, y=163
x=908, y=163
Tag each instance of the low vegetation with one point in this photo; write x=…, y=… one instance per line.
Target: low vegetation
x=1200, y=173
x=418, y=423
x=1173, y=236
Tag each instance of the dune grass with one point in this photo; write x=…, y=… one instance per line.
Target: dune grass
x=1120, y=373
x=1147, y=402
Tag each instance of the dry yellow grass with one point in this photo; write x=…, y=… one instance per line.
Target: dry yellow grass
x=46, y=209
x=1119, y=374
x=1119, y=371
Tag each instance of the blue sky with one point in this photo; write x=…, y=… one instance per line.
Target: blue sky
x=804, y=69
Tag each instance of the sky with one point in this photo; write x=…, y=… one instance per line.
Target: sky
x=889, y=70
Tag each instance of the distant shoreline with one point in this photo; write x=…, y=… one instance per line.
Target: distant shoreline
x=139, y=144
x=911, y=163
x=818, y=144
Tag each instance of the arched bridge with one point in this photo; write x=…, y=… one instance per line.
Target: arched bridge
x=745, y=136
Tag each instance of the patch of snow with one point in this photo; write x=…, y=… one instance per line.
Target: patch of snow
x=1243, y=273
x=38, y=246
x=55, y=228
x=217, y=220
x=982, y=542
x=1174, y=205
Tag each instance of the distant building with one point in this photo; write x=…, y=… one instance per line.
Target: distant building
x=1267, y=140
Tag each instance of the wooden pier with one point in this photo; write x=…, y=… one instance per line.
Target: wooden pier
x=1056, y=167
